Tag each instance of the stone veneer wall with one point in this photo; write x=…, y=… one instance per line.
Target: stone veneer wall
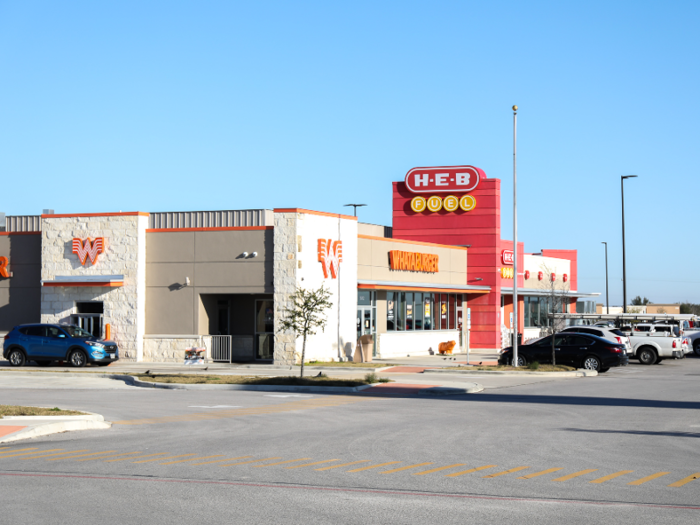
x=171, y=349
x=125, y=250
x=284, y=275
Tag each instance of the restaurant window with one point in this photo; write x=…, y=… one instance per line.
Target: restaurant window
x=452, y=310
x=418, y=312
x=444, y=311
x=409, y=311
x=390, y=311
x=428, y=311
x=400, y=311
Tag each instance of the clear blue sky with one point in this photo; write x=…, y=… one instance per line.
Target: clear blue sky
x=167, y=105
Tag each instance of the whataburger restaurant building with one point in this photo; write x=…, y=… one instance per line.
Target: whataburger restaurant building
x=160, y=283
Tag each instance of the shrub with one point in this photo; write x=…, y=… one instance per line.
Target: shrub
x=371, y=377
x=534, y=365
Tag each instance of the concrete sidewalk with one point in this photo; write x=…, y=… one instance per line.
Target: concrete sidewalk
x=15, y=428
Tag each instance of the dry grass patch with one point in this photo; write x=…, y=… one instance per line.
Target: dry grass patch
x=13, y=410
x=347, y=364
x=251, y=380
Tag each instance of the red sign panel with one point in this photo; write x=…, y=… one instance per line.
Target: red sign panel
x=444, y=179
x=507, y=257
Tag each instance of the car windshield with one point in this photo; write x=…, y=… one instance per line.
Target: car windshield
x=75, y=331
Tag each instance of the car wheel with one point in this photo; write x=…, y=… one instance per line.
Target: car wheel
x=43, y=363
x=696, y=347
x=521, y=360
x=647, y=356
x=16, y=357
x=77, y=358
x=592, y=363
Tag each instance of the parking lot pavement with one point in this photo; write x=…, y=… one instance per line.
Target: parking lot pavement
x=48, y=381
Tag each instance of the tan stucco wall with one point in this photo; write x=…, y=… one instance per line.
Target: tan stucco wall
x=373, y=263
x=213, y=262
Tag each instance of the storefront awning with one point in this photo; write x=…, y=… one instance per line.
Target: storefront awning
x=543, y=292
x=422, y=287
x=109, y=281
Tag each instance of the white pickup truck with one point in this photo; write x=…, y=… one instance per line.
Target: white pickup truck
x=653, y=346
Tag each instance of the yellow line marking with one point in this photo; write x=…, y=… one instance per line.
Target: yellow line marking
x=469, y=471
x=314, y=463
x=280, y=463
x=343, y=465
x=648, y=478
x=541, y=473
x=575, y=474
x=159, y=459
x=54, y=454
x=2, y=454
x=29, y=453
x=135, y=457
x=112, y=456
x=509, y=471
x=405, y=468
x=220, y=460
x=611, y=476
x=246, y=462
x=438, y=469
x=81, y=455
x=685, y=480
x=191, y=459
x=374, y=466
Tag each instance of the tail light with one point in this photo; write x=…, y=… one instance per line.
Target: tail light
x=7, y=336
x=674, y=344
x=619, y=339
x=615, y=349
x=685, y=341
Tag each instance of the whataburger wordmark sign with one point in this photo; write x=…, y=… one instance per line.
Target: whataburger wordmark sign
x=443, y=179
x=413, y=261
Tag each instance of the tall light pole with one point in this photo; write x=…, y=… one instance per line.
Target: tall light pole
x=515, y=239
x=607, y=297
x=624, y=266
x=355, y=206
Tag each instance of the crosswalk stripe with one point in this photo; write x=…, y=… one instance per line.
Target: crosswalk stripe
x=438, y=469
x=280, y=463
x=509, y=471
x=29, y=453
x=111, y=456
x=685, y=480
x=575, y=474
x=314, y=463
x=343, y=465
x=246, y=462
x=611, y=476
x=405, y=468
x=541, y=473
x=135, y=457
x=190, y=459
x=160, y=459
x=81, y=455
x=54, y=454
x=220, y=460
x=374, y=466
x=648, y=478
x=462, y=473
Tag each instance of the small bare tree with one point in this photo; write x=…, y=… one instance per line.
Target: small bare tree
x=306, y=315
x=557, y=297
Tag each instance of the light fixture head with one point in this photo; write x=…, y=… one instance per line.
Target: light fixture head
x=254, y=254
x=187, y=281
x=629, y=176
x=245, y=254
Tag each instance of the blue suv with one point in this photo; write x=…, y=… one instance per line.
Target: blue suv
x=45, y=343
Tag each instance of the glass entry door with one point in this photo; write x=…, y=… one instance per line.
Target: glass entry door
x=264, y=330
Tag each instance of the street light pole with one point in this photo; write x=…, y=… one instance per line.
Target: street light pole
x=354, y=207
x=607, y=297
x=515, y=239
x=624, y=265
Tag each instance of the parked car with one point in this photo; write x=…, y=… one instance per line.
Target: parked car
x=573, y=349
x=45, y=343
x=611, y=334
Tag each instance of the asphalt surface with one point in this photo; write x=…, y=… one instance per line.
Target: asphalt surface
x=620, y=447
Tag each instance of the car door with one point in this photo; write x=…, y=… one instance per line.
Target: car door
x=35, y=341
x=575, y=349
x=55, y=343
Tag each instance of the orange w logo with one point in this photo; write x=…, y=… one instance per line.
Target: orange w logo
x=330, y=254
x=88, y=248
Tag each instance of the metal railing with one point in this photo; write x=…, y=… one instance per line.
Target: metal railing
x=221, y=348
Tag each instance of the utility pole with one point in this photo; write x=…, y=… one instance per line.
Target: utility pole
x=624, y=265
x=515, y=239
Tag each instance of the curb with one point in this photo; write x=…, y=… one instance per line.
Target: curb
x=130, y=380
x=64, y=424
x=576, y=373
x=450, y=391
